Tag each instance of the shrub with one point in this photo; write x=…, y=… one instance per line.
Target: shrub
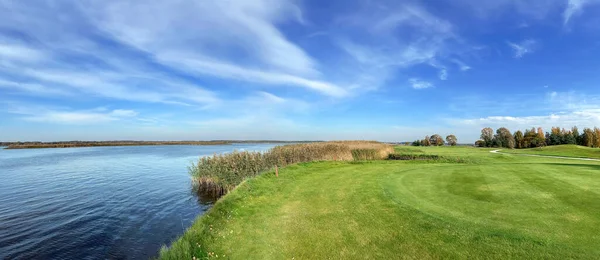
x=400, y=156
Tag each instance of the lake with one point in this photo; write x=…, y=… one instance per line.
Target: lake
x=99, y=202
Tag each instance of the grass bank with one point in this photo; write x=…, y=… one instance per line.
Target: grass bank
x=498, y=206
x=560, y=150
x=221, y=173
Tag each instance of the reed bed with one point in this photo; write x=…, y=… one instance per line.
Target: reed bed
x=220, y=173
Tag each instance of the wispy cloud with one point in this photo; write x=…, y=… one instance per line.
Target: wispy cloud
x=581, y=118
x=461, y=65
x=443, y=74
x=574, y=7
x=377, y=55
x=36, y=113
x=14, y=52
x=272, y=59
x=32, y=88
x=562, y=109
x=419, y=84
x=523, y=47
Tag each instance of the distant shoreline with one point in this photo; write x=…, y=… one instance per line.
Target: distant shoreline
x=75, y=144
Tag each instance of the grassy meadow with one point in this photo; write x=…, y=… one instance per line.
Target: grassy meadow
x=560, y=150
x=469, y=203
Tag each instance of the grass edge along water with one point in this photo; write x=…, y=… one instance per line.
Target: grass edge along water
x=220, y=173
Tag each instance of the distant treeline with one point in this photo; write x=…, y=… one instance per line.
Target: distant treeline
x=533, y=137
x=436, y=140
x=70, y=144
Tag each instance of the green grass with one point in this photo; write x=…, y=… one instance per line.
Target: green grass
x=500, y=206
x=560, y=150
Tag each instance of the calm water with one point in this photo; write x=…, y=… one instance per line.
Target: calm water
x=98, y=203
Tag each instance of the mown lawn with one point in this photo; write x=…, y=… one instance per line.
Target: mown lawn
x=496, y=206
x=560, y=150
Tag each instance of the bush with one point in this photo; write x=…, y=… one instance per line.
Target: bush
x=400, y=156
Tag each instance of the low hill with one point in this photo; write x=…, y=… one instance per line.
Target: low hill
x=561, y=150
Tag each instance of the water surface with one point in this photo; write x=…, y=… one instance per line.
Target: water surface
x=98, y=202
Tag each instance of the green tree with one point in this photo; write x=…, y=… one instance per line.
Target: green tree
x=480, y=143
x=519, y=139
x=569, y=138
x=436, y=140
x=532, y=139
x=504, y=138
x=541, y=140
x=588, y=137
x=426, y=141
x=575, y=132
x=451, y=140
x=554, y=137
x=487, y=135
x=596, y=137
x=416, y=143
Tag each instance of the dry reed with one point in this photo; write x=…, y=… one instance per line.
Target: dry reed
x=220, y=173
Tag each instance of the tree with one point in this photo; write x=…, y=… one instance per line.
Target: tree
x=426, y=141
x=575, y=132
x=554, y=137
x=596, y=137
x=533, y=139
x=504, y=138
x=519, y=139
x=436, y=140
x=416, y=143
x=541, y=137
x=588, y=137
x=451, y=140
x=487, y=135
x=569, y=138
x=480, y=143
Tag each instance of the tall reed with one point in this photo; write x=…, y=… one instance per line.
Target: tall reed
x=220, y=173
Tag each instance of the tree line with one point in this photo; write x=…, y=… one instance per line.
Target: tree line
x=436, y=140
x=533, y=137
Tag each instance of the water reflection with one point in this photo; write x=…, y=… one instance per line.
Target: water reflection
x=100, y=202
x=203, y=197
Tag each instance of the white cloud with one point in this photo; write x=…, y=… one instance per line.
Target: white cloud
x=561, y=109
x=461, y=65
x=391, y=37
x=419, y=84
x=37, y=113
x=123, y=113
x=581, y=118
x=16, y=52
x=443, y=74
x=231, y=71
x=522, y=48
x=247, y=28
x=574, y=7
x=535, y=9
x=32, y=88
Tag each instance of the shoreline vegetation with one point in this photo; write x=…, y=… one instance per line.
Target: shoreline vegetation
x=73, y=144
x=220, y=173
x=416, y=202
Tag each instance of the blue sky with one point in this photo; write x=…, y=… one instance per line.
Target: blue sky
x=295, y=70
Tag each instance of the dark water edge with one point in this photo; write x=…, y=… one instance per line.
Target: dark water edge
x=100, y=202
